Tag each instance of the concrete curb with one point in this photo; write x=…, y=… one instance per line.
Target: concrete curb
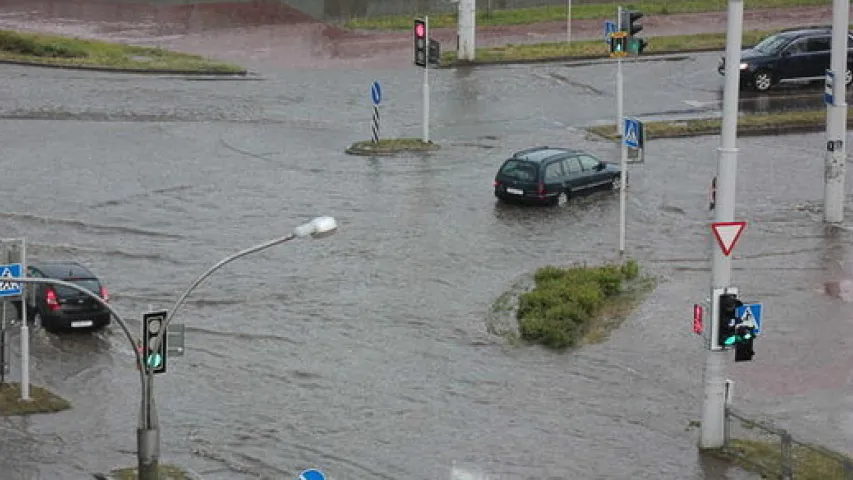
x=580, y=59
x=191, y=474
x=364, y=149
x=95, y=68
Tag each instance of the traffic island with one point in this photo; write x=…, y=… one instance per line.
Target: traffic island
x=166, y=472
x=806, y=462
x=41, y=401
x=391, y=146
x=565, y=307
x=65, y=52
x=748, y=125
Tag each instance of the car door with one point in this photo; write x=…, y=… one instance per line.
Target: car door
x=818, y=50
x=553, y=177
x=793, y=62
x=574, y=174
x=593, y=174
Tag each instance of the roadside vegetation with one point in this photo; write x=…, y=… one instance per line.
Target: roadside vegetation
x=765, y=458
x=390, y=146
x=41, y=401
x=570, y=306
x=557, y=13
x=754, y=124
x=54, y=50
x=166, y=472
x=587, y=49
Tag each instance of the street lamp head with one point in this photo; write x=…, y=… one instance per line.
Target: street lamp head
x=317, y=228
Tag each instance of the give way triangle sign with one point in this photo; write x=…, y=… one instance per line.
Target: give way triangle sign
x=727, y=234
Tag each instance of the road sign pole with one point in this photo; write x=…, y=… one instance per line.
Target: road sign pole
x=25, y=331
x=426, y=86
x=836, y=118
x=569, y=21
x=713, y=406
x=3, y=339
x=620, y=119
x=623, y=176
x=466, y=30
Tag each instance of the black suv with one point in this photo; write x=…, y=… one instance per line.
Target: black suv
x=547, y=175
x=792, y=55
x=61, y=308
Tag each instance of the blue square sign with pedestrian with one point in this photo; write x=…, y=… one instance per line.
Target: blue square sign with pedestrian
x=632, y=133
x=750, y=314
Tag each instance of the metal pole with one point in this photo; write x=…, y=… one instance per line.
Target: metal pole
x=569, y=21
x=620, y=120
x=3, y=363
x=713, y=406
x=25, y=332
x=426, y=84
x=466, y=30
x=623, y=175
x=836, y=118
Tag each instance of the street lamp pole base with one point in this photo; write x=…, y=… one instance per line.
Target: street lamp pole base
x=148, y=449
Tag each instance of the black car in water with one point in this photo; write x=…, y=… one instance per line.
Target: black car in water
x=548, y=175
x=58, y=308
x=792, y=55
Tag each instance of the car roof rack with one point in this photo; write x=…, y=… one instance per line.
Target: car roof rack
x=529, y=150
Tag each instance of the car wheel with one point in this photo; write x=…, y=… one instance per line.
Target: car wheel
x=762, y=80
x=616, y=183
x=848, y=76
x=38, y=321
x=562, y=199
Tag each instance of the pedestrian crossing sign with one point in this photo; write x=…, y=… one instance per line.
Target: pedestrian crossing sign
x=632, y=133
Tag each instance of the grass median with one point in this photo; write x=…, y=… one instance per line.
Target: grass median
x=753, y=124
x=544, y=52
x=54, y=50
x=557, y=13
x=390, y=146
x=41, y=400
x=765, y=458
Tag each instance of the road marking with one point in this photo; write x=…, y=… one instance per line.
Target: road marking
x=700, y=104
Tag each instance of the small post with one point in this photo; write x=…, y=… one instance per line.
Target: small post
x=376, y=96
x=375, y=124
x=787, y=460
x=642, y=143
x=3, y=363
x=426, y=85
x=25, y=331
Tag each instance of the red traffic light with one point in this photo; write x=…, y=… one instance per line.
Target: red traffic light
x=420, y=30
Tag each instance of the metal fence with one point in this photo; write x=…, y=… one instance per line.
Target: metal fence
x=777, y=454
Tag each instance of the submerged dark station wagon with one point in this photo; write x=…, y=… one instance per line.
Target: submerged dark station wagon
x=548, y=175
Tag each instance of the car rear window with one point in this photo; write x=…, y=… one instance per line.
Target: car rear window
x=89, y=283
x=520, y=170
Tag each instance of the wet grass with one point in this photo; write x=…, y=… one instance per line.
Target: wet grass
x=526, y=16
x=167, y=472
x=765, y=458
x=54, y=50
x=544, y=52
x=754, y=124
x=570, y=306
x=390, y=146
x=41, y=401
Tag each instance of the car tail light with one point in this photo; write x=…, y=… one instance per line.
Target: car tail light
x=496, y=183
x=51, y=300
x=541, y=190
x=105, y=294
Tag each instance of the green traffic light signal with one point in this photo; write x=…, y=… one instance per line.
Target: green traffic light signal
x=731, y=340
x=154, y=361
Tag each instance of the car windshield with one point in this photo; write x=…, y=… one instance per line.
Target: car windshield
x=522, y=171
x=771, y=45
x=89, y=283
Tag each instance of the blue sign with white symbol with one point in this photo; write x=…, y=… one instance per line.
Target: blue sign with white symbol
x=312, y=474
x=749, y=314
x=8, y=288
x=632, y=133
x=376, y=93
x=609, y=27
x=829, y=89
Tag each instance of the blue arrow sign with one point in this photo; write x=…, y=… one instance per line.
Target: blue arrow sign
x=376, y=92
x=312, y=474
x=750, y=313
x=609, y=27
x=632, y=132
x=9, y=288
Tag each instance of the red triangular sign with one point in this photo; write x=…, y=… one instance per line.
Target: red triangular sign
x=727, y=234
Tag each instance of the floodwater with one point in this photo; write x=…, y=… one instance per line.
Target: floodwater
x=367, y=353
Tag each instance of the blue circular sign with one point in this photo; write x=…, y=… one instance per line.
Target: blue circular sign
x=376, y=93
x=312, y=474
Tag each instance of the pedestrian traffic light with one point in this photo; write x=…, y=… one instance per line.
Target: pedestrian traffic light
x=434, y=52
x=727, y=319
x=744, y=335
x=152, y=328
x=618, y=44
x=421, y=44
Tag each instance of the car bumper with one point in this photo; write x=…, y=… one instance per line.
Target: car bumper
x=526, y=199
x=77, y=320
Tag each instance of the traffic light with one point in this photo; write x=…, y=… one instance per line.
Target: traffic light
x=421, y=47
x=152, y=328
x=618, y=44
x=743, y=346
x=627, y=22
x=727, y=319
x=434, y=52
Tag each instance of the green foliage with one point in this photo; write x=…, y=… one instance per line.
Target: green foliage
x=23, y=44
x=565, y=301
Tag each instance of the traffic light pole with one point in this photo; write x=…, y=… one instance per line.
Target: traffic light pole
x=426, y=83
x=836, y=118
x=713, y=406
x=620, y=119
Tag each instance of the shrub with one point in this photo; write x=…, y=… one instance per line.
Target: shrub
x=23, y=44
x=564, y=302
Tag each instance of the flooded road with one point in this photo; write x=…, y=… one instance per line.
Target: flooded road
x=367, y=353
